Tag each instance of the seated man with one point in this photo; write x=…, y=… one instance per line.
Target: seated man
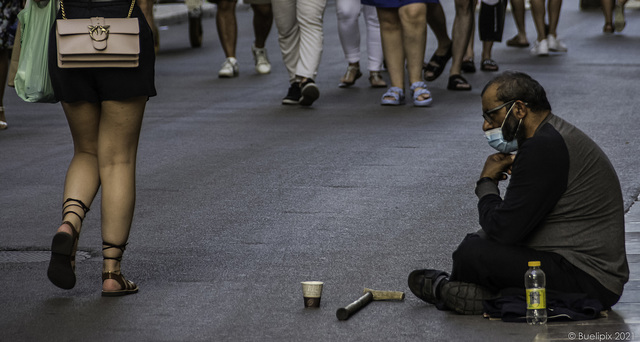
x=563, y=206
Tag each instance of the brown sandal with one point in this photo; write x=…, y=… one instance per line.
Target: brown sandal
x=127, y=286
x=353, y=73
x=62, y=265
x=376, y=80
x=515, y=42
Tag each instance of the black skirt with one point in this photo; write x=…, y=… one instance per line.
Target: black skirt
x=104, y=84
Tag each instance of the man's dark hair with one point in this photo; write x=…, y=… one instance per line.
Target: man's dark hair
x=514, y=85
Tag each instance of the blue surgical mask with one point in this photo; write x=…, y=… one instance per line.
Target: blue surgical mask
x=496, y=140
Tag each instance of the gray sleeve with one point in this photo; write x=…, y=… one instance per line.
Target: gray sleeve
x=486, y=187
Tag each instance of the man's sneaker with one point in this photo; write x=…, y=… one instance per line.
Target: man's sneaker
x=424, y=283
x=262, y=60
x=229, y=68
x=465, y=298
x=540, y=48
x=556, y=44
x=618, y=18
x=293, y=96
x=310, y=92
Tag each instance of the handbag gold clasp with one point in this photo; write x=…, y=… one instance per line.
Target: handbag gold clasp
x=99, y=33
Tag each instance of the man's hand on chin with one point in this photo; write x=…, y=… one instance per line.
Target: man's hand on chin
x=497, y=166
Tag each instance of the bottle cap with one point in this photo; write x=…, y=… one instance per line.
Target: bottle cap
x=534, y=263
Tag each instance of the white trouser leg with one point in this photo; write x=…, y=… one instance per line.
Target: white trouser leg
x=284, y=15
x=374, y=42
x=348, y=12
x=310, y=13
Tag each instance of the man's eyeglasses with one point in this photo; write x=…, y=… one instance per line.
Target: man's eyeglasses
x=487, y=114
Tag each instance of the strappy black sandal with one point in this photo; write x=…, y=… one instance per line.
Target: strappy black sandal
x=127, y=286
x=468, y=66
x=489, y=65
x=62, y=266
x=457, y=82
x=436, y=65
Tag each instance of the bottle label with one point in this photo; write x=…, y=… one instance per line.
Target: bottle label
x=536, y=299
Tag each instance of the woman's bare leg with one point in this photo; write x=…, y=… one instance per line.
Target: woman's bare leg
x=538, y=13
x=82, y=180
x=413, y=18
x=118, y=137
x=437, y=21
x=553, y=8
x=391, y=33
x=461, y=33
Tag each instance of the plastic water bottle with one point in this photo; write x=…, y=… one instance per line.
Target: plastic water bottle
x=534, y=282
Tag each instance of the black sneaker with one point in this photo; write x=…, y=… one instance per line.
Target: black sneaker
x=310, y=92
x=424, y=283
x=293, y=96
x=465, y=298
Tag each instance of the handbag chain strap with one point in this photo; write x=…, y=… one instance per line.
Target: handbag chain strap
x=64, y=15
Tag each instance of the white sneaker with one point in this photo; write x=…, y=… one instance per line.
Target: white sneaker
x=556, y=44
x=262, y=60
x=229, y=68
x=618, y=18
x=540, y=48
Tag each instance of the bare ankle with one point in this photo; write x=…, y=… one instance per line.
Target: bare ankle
x=110, y=285
x=66, y=227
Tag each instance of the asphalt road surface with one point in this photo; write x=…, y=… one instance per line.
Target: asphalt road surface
x=241, y=198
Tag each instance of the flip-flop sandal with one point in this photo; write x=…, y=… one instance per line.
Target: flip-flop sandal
x=396, y=94
x=419, y=89
x=457, y=82
x=468, y=66
x=489, y=65
x=515, y=42
x=436, y=65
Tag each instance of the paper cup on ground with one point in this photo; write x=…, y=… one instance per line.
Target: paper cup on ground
x=311, y=292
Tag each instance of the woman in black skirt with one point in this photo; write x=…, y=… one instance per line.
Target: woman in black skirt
x=104, y=108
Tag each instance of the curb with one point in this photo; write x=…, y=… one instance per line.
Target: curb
x=172, y=14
